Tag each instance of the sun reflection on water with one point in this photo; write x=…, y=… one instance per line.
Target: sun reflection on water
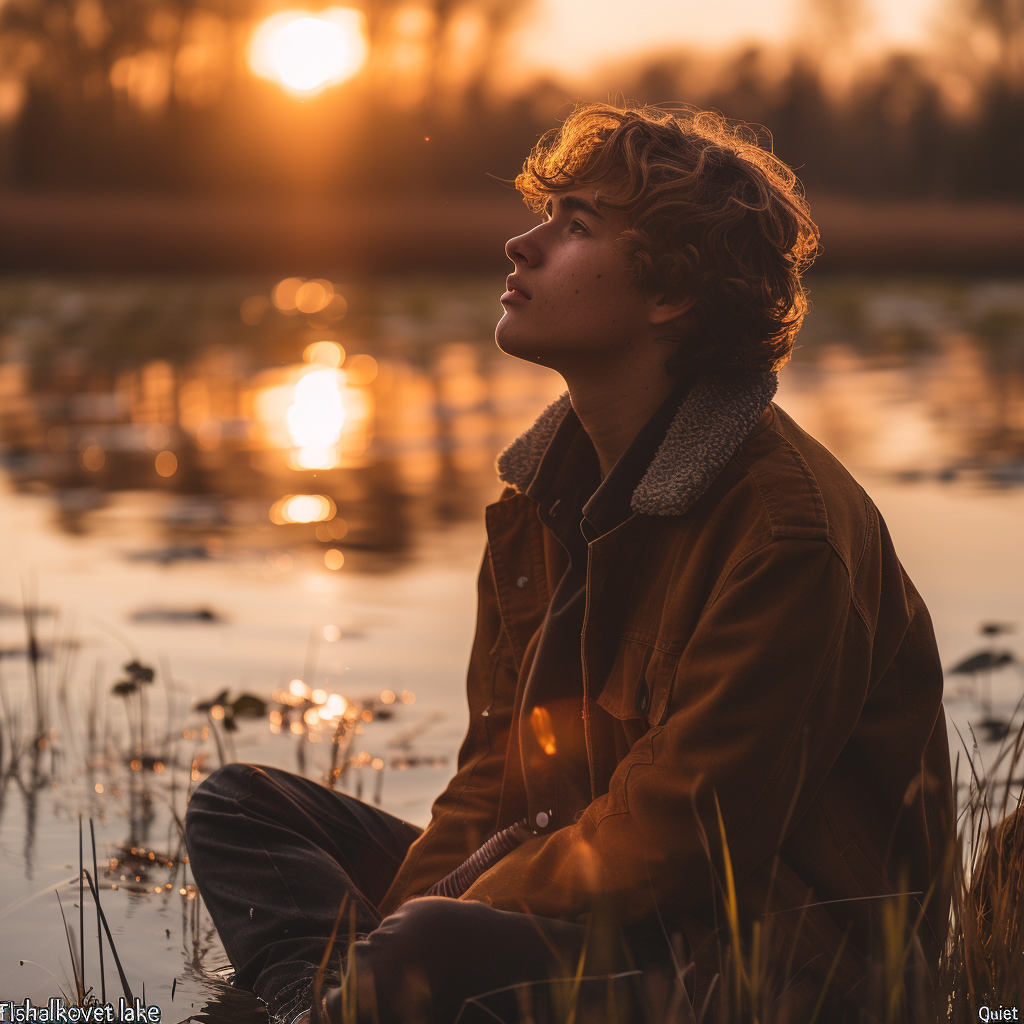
x=320, y=413
x=316, y=418
x=302, y=508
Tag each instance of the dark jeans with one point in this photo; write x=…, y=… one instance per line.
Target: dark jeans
x=274, y=854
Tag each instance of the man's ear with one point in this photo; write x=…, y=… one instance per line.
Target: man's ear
x=661, y=310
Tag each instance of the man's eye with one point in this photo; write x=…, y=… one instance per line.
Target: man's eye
x=579, y=226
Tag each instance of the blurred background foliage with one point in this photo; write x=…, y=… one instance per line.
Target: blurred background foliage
x=157, y=96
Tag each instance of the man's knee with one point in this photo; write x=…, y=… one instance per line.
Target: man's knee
x=219, y=793
x=419, y=923
x=229, y=782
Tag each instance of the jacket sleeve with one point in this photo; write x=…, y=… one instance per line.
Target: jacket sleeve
x=466, y=813
x=765, y=694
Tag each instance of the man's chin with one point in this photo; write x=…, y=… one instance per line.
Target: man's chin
x=512, y=343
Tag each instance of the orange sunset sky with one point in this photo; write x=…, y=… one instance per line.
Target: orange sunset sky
x=573, y=36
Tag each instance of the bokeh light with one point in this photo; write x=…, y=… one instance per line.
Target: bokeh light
x=325, y=353
x=336, y=529
x=283, y=295
x=166, y=463
x=302, y=508
x=360, y=370
x=254, y=309
x=333, y=558
x=335, y=707
x=306, y=52
x=157, y=436
x=93, y=458
x=312, y=296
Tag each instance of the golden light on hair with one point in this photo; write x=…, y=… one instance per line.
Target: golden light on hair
x=302, y=508
x=307, y=52
x=540, y=722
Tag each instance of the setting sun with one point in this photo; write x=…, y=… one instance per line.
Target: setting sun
x=306, y=52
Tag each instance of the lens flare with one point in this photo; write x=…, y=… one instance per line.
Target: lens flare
x=306, y=53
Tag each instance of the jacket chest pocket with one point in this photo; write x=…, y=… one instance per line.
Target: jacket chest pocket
x=640, y=683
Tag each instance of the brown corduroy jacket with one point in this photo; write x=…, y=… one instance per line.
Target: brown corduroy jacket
x=751, y=643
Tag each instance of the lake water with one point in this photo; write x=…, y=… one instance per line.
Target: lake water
x=167, y=500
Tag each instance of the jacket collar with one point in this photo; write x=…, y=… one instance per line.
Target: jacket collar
x=711, y=423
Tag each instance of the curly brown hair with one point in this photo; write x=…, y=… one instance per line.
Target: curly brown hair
x=712, y=217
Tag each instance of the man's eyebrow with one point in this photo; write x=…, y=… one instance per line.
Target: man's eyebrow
x=574, y=203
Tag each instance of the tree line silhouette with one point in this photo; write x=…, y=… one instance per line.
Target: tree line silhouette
x=155, y=96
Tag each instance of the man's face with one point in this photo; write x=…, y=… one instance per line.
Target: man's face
x=571, y=300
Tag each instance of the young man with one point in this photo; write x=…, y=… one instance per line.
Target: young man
x=705, y=699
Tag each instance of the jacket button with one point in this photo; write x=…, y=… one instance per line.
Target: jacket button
x=522, y=581
x=643, y=699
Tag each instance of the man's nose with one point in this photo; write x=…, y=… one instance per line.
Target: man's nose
x=523, y=249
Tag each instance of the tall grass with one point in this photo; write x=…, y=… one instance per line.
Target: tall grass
x=981, y=964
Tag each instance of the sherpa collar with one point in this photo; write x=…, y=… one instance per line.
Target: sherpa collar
x=712, y=422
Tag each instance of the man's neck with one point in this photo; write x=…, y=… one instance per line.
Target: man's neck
x=613, y=412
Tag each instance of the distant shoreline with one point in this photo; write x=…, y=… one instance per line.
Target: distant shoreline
x=45, y=232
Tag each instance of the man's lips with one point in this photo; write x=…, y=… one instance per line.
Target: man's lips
x=514, y=289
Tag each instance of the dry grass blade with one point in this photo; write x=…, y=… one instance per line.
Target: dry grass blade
x=71, y=950
x=99, y=934
x=110, y=939
x=81, y=902
x=318, y=980
x=574, y=994
x=731, y=909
